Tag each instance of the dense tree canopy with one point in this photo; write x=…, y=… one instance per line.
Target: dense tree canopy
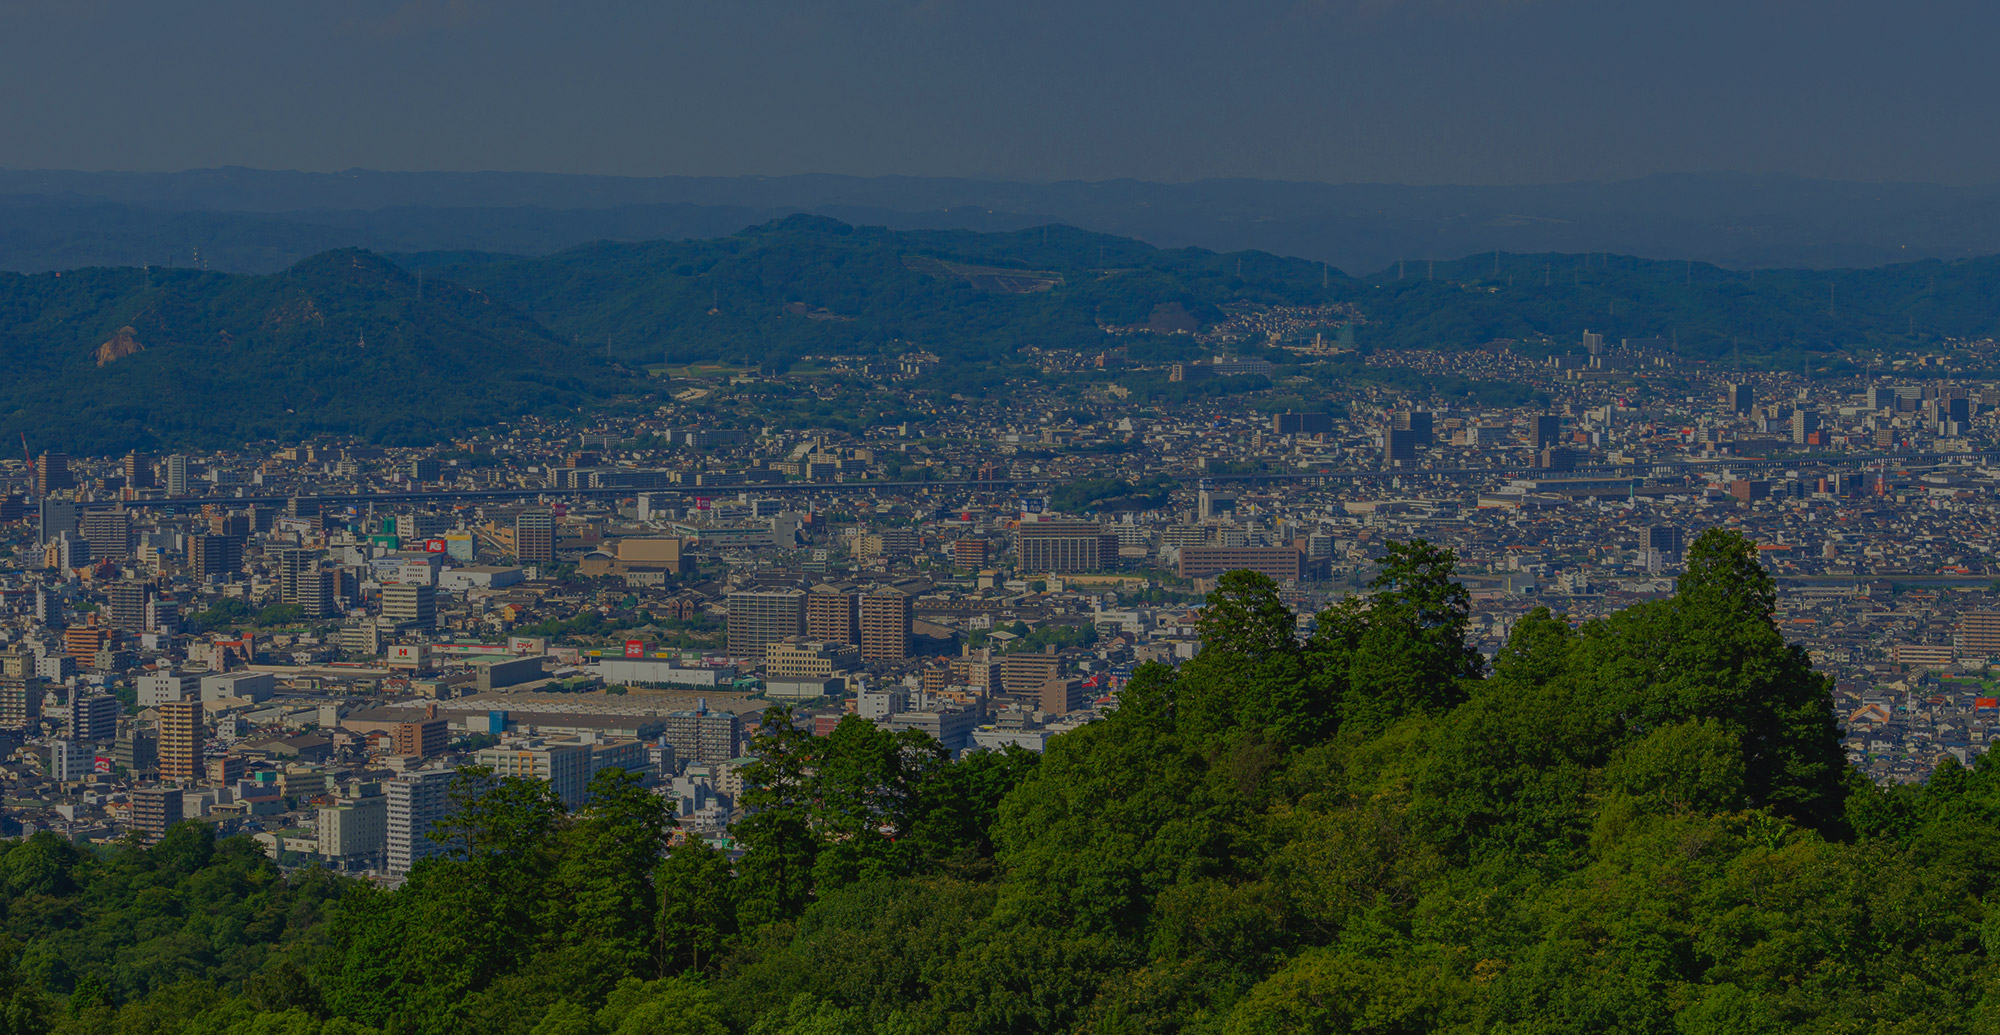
x=1641, y=823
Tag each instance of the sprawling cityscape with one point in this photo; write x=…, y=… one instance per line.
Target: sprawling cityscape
x=295, y=641
x=933, y=518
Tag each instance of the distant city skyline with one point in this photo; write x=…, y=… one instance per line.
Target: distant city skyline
x=1392, y=91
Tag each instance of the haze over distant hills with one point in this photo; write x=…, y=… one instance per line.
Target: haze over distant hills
x=343, y=342
x=415, y=346
x=247, y=220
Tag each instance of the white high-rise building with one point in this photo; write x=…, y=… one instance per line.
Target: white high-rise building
x=68, y=761
x=177, y=475
x=416, y=801
x=355, y=832
x=565, y=766
x=162, y=687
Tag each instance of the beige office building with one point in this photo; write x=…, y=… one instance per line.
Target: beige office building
x=801, y=658
x=759, y=618
x=885, y=626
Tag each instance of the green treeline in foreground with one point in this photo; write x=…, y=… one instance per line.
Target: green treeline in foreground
x=1643, y=824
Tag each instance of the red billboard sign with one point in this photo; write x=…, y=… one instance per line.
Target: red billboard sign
x=434, y=546
x=635, y=648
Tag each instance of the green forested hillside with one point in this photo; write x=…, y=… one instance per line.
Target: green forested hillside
x=1639, y=824
x=477, y=338
x=811, y=286
x=344, y=342
x=1710, y=312
x=727, y=298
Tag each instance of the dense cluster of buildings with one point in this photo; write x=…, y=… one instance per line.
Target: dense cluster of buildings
x=306, y=642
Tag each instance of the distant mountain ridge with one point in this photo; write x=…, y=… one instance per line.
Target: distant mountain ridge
x=727, y=298
x=346, y=342
x=247, y=220
x=417, y=347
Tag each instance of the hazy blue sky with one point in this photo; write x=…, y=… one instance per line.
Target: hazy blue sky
x=1417, y=91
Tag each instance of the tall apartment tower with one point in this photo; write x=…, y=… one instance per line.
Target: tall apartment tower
x=68, y=761
x=180, y=740
x=1979, y=634
x=970, y=553
x=420, y=739
x=322, y=595
x=564, y=767
x=405, y=604
x=293, y=567
x=702, y=736
x=48, y=607
x=1400, y=445
x=212, y=555
x=20, y=701
x=93, y=718
x=128, y=605
x=1418, y=421
x=354, y=832
x=885, y=626
x=138, y=751
x=301, y=581
x=154, y=809
x=1666, y=539
x=1065, y=546
x=1804, y=423
x=416, y=802
x=109, y=533
x=52, y=474
x=138, y=470
x=163, y=614
x=759, y=618
x=1543, y=430
x=833, y=615
x=177, y=474
x=535, y=536
x=57, y=517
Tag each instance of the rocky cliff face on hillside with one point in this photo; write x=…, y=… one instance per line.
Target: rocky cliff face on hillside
x=121, y=345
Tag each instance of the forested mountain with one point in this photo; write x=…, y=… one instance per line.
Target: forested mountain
x=43, y=234
x=1704, y=311
x=866, y=288
x=809, y=286
x=101, y=360
x=258, y=221
x=427, y=344
x=1642, y=823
